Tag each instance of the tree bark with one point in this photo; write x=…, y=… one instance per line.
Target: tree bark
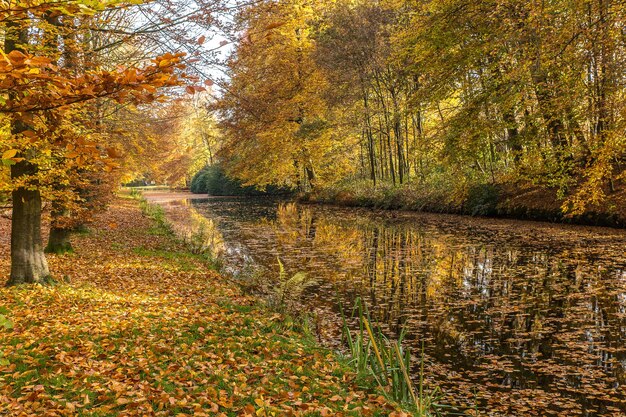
x=28, y=261
x=371, y=150
x=59, y=238
x=59, y=241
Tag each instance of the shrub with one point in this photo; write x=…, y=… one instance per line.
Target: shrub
x=212, y=180
x=482, y=200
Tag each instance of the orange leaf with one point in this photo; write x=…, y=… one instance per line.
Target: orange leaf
x=16, y=56
x=9, y=154
x=274, y=25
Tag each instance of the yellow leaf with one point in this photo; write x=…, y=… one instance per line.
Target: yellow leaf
x=9, y=154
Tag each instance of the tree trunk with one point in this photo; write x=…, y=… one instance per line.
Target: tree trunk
x=311, y=176
x=512, y=135
x=370, y=138
x=28, y=262
x=397, y=131
x=59, y=241
x=59, y=238
x=60, y=232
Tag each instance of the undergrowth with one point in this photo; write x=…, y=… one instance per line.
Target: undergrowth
x=387, y=362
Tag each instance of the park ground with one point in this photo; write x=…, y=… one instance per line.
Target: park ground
x=138, y=326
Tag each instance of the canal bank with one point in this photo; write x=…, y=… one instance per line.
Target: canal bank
x=505, y=201
x=143, y=327
x=516, y=317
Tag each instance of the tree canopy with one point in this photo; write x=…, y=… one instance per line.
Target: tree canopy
x=456, y=99
x=73, y=75
x=441, y=94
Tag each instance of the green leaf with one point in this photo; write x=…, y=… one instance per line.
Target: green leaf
x=5, y=322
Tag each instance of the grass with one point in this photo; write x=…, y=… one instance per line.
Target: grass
x=139, y=189
x=373, y=355
x=161, y=226
x=197, y=240
x=187, y=261
x=471, y=195
x=145, y=328
x=438, y=195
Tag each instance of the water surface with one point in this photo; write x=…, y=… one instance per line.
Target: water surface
x=516, y=318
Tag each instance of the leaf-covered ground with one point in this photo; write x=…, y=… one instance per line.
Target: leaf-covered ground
x=144, y=328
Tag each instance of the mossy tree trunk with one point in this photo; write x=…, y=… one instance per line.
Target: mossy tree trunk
x=59, y=240
x=60, y=230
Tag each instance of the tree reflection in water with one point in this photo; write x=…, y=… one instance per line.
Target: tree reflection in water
x=521, y=318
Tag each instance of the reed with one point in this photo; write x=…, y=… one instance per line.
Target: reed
x=388, y=363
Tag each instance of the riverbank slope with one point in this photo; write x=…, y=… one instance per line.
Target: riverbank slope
x=503, y=200
x=145, y=328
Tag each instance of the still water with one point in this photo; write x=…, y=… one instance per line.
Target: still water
x=516, y=318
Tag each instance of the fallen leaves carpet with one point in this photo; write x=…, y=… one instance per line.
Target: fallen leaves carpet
x=144, y=328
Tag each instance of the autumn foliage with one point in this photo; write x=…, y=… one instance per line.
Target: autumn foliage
x=56, y=84
x=434, y=97
x=146, y=328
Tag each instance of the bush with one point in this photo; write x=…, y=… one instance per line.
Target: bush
x=212, y=180
x=198, y=183
x=482, y=200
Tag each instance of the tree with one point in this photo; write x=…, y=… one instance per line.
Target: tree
x=38, y=92
x=272, y=115
x=451, y=96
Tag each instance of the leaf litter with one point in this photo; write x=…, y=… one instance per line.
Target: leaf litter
x=144, y=328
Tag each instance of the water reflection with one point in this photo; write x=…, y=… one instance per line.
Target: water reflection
x=521, y=320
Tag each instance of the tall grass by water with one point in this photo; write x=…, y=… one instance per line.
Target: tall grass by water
x=386, y=361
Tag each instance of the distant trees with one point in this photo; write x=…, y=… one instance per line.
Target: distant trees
x=211, y=180
x=273, y=113
x=440, y=93
x=172, y=140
